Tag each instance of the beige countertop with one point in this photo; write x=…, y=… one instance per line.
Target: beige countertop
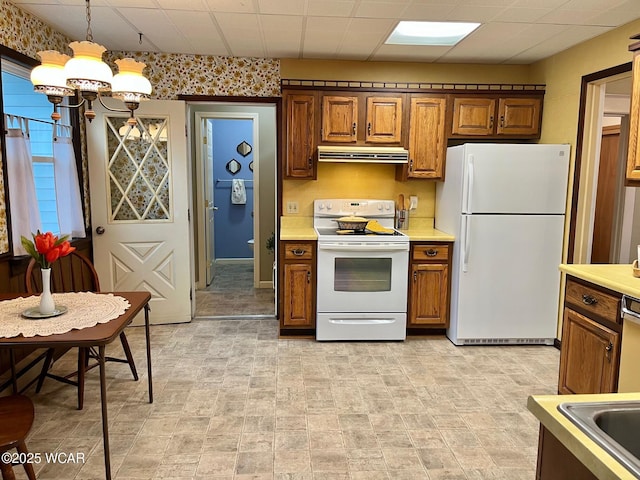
x=615, y=277
x=420, y=229
x=592, y=456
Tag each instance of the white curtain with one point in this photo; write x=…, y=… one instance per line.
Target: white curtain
x=68, y=199
x=25, y=216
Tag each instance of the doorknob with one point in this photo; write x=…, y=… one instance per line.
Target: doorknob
x=99, y=230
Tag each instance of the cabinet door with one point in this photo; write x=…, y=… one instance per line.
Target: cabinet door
x=300, y=132
x=519, y=116
x=428, y=294
x=473, y=116
x=633, y=158
x=427, y=142
x=384, y=120
x=589, y=357
x=298, y=295
x=339, y=119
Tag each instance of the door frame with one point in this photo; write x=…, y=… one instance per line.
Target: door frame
x=587, y=161
x=201, y=187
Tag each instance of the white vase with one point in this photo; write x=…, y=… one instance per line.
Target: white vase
x=47, y=306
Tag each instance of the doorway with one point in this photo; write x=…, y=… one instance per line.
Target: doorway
x=603, y=209
x=234, y=143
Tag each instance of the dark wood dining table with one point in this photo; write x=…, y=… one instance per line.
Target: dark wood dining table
x=98, y=337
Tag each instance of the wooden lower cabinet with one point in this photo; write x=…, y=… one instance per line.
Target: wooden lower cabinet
x=589, y=359
x=591, y=338
x=556, y=462
x=297, y=285
x=429, y=286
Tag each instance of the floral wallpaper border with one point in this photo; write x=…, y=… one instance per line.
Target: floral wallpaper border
x=170, y=74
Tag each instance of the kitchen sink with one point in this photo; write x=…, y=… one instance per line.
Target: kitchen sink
x=615, y=426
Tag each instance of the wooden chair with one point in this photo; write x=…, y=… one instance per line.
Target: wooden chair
x=73, y=273
x=16, y=419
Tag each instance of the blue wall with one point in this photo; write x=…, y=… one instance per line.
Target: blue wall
x=233, y=223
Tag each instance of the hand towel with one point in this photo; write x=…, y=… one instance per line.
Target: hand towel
x=238, y=192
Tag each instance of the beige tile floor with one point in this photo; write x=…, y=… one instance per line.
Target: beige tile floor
x=231, y=293
x=233, y=401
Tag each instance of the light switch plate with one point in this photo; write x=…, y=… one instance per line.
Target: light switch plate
x=413, y=199
x=292, y=207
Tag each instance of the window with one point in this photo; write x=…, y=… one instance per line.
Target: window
x=19, y=99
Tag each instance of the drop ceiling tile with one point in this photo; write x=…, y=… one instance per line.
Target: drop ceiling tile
x=427, y=12
x=132, y=4
x=567, y=17
x=521, y=15
x=282, y=34
x=330, y=8
x=409, y=53
x=379, y=10
x=540, y=3
x=156, y=27
x=484, y=3
x=323, y=34
x=617, y=15
x=242, y=32
x=200, y=31
x=571, y=35
x=187, y=5
x=474, y=13
x=231, y=6
x=281, y=7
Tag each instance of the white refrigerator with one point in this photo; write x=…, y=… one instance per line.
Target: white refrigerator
x=505, y=204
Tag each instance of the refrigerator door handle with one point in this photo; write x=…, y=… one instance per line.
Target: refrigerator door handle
x=467, y=244
x=470, y=178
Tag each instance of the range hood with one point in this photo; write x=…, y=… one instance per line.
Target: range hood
x=353, y=154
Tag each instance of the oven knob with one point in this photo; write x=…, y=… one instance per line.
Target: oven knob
x=328, y=206
x=387, y=206
x=321, y=206
x=379, y=206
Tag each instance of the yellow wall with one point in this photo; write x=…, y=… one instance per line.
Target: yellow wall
x=342, y=180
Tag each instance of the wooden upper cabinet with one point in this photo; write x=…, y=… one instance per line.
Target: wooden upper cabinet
x=427, y=137
x=339, y=119
x=496, y=116
x=473, y=116
x=384, y=120
x=300, y=128
x=633, y=156
x=518, y=116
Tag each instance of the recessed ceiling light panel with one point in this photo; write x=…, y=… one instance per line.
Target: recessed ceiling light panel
x=430, y=33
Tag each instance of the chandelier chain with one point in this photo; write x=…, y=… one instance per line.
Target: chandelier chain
x=89, y=32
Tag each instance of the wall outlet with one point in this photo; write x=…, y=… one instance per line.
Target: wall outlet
x=292, y=207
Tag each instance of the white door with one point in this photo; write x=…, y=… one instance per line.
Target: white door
x=139, y=205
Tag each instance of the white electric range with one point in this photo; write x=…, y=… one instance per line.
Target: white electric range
x=362, y=277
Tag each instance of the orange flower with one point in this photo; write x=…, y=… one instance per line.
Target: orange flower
x=46, y=248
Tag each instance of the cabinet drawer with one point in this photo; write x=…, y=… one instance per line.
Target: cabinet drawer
x=593, y=301
x=298, y=251
x=430, y=252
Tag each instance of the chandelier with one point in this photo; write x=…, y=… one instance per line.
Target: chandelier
x=60, y=76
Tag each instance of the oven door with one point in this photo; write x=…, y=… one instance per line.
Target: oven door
x=362, y=277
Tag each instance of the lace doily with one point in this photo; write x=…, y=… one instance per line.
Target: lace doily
x=84, y=309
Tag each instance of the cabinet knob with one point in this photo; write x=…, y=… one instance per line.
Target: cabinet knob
x=501, y=121
x=491, y=122
x=308, y=276
x=608, y=350
x=354, y=128
x=298, y=252
x=415, y=276
x=431, y=252
x=310, y=162
x=368, y=129
x=589, y=299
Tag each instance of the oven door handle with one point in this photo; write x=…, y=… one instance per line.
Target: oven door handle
x=364, y=247
x=362, y=321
